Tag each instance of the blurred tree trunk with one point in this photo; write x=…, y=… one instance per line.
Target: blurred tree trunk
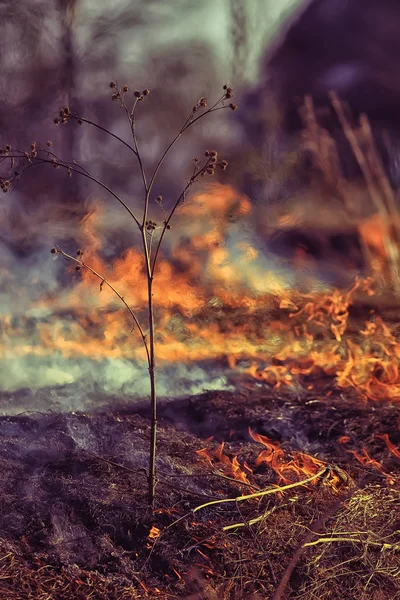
x=69, y=89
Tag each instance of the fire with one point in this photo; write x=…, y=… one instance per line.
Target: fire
x=217, y=299
x=154, y=533
x=230, y=467
x=288, y=469
x=364, y=458
x=392, y=448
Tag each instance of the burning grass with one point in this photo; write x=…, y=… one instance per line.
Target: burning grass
x=74, y=515
x=285, y=488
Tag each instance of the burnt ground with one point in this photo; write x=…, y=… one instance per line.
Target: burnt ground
x=75, y=522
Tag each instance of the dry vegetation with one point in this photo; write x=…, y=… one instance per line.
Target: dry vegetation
x=294, y=497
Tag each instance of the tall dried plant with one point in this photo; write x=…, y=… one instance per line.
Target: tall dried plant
x=322, y=149
x=152, y=234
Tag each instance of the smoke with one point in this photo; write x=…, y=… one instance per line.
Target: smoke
x=67, y=56
x=54, y=383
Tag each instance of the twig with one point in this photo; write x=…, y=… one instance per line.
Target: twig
x=104, y=280
x=314, y=530
x=265, y=515
x=329, y=540
x=263, y=493
x=80, y=118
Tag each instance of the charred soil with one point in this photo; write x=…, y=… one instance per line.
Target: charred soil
x=75, y=521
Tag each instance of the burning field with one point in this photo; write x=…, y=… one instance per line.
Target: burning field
x=278, y=455
x=266, y=465
x=269, y=467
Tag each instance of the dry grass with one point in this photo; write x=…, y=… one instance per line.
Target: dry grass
x=325, y=158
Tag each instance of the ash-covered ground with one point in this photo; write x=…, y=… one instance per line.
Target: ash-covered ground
x=75, y=521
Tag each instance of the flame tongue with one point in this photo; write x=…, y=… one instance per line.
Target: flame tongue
x=297, y=467
x=217, y=300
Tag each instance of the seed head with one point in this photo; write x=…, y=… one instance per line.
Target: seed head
x=137, y=94
x=49, y=143
x=207, y=153
x=125, y=88
x=113, y=84
x=56, y=121
x=233, y=106
x=79, y=252
x=53, y=251
x=77, y=268
x=214, y=153
x=5, y=185
x=146, y=92
x=159, y=199
x=8, y=148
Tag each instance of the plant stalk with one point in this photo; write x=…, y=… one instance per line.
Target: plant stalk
x=153, y=395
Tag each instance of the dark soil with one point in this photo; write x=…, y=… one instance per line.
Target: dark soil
x=75, y=521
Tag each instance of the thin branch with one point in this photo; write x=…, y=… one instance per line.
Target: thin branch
x=171, y=214
x=275, y=490
x=84, y=173
x=131, y=118
x=80, y=118
x=112, y=288
x=353, y=540
x=186, y=126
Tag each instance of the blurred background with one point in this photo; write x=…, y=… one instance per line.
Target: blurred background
x=274, y=224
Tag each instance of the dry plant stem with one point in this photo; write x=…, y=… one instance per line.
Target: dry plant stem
x=251, y=521
x=150, y=274
x=112, y=288
x=149, y=348
x=153, y=390
x=387, y=212
x=275, y=490
x=329, y=540
x=146, y=234
x=74, y=169
x=376, y=165
x=84, y=120
x=168, y=219
x=324, y=153
x=314, y=530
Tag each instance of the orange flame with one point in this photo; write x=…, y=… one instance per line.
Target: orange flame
x=214, y=301
x=299, y=466
x=231, y=467
x=392, y=448
x=365, y=459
